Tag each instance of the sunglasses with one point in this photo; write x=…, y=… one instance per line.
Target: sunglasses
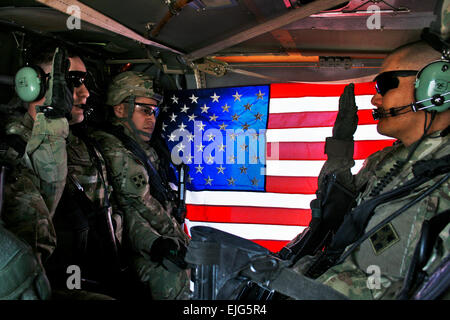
x=76, y=79
x=147, y=109
x=389, y=80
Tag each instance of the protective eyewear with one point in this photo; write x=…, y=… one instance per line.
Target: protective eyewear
x=389, y=80
x=147, y=109
x=76, y=79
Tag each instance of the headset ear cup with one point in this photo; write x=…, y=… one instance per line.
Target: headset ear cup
x=433, y=85
x=30, y=83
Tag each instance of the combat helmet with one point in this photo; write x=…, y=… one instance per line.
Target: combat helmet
x=126, y=87
x=131, y=83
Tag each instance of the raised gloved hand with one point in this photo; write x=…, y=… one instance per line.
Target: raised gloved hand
x=340, y=147
x=170, y=249
x=347, y=118
x=59, y=97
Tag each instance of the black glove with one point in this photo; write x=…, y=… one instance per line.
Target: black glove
x=180, y=214
x=170, y=249
x=59, y=97
x=347, y=118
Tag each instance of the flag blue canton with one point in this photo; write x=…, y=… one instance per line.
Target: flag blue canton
x=220, y=134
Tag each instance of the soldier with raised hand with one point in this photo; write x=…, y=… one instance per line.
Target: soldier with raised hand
x=139, y=176
x=392, y=241
x=71, y=180
x=374, y=253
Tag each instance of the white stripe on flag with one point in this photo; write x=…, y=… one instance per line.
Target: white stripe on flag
x=363, y=132
x=314, y=104
x=251, y=199
x=301, y=168
x=252, y=231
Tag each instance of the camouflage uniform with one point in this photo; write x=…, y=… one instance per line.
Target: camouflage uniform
x=145, y=218
x=21, y=275
x=53, y=159
x=392, y=248
x=35, y=183
x=30, y=198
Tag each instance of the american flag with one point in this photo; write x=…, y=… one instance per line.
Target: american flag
x=254, y=153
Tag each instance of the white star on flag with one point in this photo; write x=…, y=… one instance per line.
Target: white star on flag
x=172, y=137
x=192, y=117
x=173, y=117
x=201, y=126
x=184, y=109
x=182, y=126
x=237, y=96
x=204, y=108
x=193, y=98
x=180, y=146
x=215, y=97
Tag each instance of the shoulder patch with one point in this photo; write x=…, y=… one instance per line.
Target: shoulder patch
x=384, y=238
x=138, y=180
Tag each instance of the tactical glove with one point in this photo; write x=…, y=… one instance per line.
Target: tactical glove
x=59, y=97
x=340, y=147
x=170, y=249
x=347, y=118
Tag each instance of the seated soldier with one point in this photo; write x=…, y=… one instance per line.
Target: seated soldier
x=396, y=235
x=80, y=217
x=383, y=238
x=22, y=276
x=138, y=173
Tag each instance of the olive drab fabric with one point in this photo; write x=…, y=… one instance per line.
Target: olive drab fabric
x=57, y=157
x=35, y=184
x=377, y=268
x=21, y=275
x=145, y=218
x=130, y=83
x=31, y=195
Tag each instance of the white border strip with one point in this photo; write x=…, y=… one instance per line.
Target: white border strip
x=319, y=134
x=250, y=199
x=252, y=231
x=314, y=104
x=301, y=168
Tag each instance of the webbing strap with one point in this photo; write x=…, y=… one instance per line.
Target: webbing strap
x=297, y=286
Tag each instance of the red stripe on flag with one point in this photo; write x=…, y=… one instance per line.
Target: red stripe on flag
x=365, y=148
x=272, y=245
x=298, y=90
x=261, y=215
x=302, y=185
x=315, y=150
x=312, y=119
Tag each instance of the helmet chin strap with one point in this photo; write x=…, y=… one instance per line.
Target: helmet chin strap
x=129, y=120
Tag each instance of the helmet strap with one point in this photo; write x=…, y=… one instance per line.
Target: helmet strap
x=129, y=119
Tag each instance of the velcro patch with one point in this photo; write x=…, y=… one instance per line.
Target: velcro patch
x=139, y=181
x=384, y=238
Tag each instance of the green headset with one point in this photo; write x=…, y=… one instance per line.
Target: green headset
x=30, y=83
x=432, y=86
x=431, y=89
